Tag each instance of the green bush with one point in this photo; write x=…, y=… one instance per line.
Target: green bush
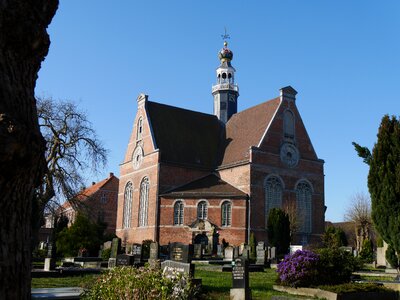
x=367, y=251
x=105, y=254
x=336, y=266
x=391, y=257
x=140, y=283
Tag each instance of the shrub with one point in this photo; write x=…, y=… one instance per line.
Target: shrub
x=139, y=283
x=299, y=269
x=367, y=251
x=336, y=266
x=106, y=253
x=355, y=287
x=391, y=257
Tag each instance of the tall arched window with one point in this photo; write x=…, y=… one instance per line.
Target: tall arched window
x=273, y=195
x=139, y=129
x=288, y=124
x=178, y=213
x=202, y=210
x=304, y=206
x=127, y=215
x=143, y=202
x=226, y=213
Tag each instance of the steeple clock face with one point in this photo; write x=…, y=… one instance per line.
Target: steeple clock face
x=289, y=155
x=137, y=157
x=232, y=98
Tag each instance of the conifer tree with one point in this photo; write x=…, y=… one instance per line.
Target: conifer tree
x=384, y=180
x=278, y=227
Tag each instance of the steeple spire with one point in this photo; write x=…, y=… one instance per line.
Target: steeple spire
x=225, y=91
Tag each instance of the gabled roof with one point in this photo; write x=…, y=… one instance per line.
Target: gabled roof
x=210, y=186
x=184, y=136
x=88, y=192
x=246, y=129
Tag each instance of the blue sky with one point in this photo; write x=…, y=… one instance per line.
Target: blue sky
x=343, y=58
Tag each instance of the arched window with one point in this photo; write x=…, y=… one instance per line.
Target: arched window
x=139, y=129
x=226, y=213
x=127, y=215
x=143, y=202
x=273, y=195
x=288, y=124
x=304, y=206
x=178, y=213
x=202, y=210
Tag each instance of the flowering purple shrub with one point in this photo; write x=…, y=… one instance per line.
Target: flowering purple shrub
x=299, y=269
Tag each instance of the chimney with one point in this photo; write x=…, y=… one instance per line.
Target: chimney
x=93, y=183
x=141, y=99
x=111, y=174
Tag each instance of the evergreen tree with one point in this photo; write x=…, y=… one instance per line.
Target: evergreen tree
x=367, y=251
x=253, y=245
x=278, y=227
x=334, y=237
x=384, y=182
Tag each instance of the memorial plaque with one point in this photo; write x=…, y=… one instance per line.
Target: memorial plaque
x=170, y=268
x=260, y=252
x=115, y=247
x=181, y=252
x=125, y=260
x=240, y=274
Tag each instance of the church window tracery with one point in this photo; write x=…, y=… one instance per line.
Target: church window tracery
x=202, y=210
x=127, y=215
x=178, y=213
x=139, y=129
x=143, y=202
x=273, y=195
x=304, y=206
x=226, y=213
x=288, y=124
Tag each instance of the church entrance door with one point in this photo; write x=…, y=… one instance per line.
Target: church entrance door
x=201, y=239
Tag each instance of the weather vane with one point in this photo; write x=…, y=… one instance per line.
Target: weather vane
x=225, y=36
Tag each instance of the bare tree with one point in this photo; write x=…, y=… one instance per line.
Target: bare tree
x=359, y=212
x=24, y=43
x=72, y=147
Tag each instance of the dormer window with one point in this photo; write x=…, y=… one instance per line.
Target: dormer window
x=139, y=129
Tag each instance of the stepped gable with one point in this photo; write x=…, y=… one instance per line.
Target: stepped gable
x=246, y=129
x=185, y=137
x=210, y=186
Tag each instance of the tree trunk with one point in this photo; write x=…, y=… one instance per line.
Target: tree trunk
x=23, y=45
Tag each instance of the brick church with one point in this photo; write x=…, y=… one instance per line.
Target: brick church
x=193, y=177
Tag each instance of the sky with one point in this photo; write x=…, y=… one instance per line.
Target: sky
x=343, y=58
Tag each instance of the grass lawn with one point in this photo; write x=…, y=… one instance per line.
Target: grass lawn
x=72, y=281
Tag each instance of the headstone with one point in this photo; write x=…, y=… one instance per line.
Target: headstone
x=294, y=248
x=235, y=252
x=228, y=253
x=136, y=251
x=197, y=251
x=154, y=262
x=260, y=252
x=347, y=249
x=240, y=279
x=181, y=252
x=49, y=264
x=246, y=252
x=241, y=248
x=220, y=252
x=115, y=247
x=170, y=268
x=107, y=245
x=112, y=262
x=125, y=260
x=271, y=253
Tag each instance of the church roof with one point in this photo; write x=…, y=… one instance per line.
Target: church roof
x=246, y=129
x=184, y=136
x=206, y=187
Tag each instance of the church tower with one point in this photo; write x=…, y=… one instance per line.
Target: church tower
x=225, y=92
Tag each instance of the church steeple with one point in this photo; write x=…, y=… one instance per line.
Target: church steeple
x=225, y=92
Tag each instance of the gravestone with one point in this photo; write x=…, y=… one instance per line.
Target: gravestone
x=235, y=252
x=170, y=268
x=240, y=279
x=272, y=253
x=294, y=248
x=220, y=251
x=50, y=261
x=260, y=252
x=197, y=251
x=107, y=245
x=181, y=252
x=115, y=247
x=136, y=251
x=125, y=260
x=154, y=262
x=228, y=253
x=246, y=252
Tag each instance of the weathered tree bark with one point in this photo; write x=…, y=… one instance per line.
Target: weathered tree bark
x=23, y=45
